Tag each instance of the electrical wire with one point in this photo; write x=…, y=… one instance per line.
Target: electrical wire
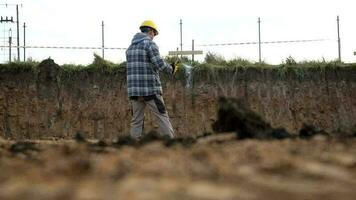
x=267, y=42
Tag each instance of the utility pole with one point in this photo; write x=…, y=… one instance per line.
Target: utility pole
x=10, y=42
x=259, y=40
x=18, y=32
x=338, y=37
x=24, y=42
x=192, y=51
x=11, y=20
x=181, y=37
x=8, y=20
x=102, y=38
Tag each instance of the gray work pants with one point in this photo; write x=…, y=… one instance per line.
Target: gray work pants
x=157, y=106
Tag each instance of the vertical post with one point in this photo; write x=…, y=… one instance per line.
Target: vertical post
x=10, y=42
x=338, y=37
x=192, y=51
x=18, y=32
x=181, y=38
x=24, y=42
x=102, y=38
x=259, y=40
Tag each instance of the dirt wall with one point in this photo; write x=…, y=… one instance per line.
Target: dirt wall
x=45, y=104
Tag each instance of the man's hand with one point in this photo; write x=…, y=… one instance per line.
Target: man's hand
x=174, y=66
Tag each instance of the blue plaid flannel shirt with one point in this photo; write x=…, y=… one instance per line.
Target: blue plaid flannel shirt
x=143, y=65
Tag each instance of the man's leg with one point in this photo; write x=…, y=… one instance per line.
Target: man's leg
x=158, y=108
x=138, y=113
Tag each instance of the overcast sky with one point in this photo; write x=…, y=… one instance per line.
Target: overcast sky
x=78, y=23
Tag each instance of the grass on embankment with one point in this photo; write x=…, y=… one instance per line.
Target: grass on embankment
x=212, y=63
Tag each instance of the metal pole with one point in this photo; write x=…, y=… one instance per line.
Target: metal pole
x=18, y=32
x=192, y=51
x=102, y=38
x=24, y=42
x=259, y=40
x=10, y=41
x=338, y=37
x=181, y=37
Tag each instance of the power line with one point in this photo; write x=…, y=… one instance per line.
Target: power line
x=64, y=47
x=268, y=42
x=9, y=4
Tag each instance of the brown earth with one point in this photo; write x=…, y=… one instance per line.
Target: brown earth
x=51, y=103
x=53, y=108
x=216, y=167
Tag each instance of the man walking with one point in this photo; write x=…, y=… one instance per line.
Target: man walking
x=143, y=82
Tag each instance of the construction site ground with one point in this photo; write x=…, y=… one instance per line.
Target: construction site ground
x=214, y=167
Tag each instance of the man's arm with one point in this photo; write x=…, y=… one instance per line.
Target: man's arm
x=156, y=59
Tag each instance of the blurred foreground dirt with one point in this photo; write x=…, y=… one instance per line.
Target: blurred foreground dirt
x=217, y=167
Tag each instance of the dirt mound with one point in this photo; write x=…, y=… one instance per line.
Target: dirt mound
x=23, y=147
x=233, y=115
x=148, y=138
x=308, y=131
x=48, y=80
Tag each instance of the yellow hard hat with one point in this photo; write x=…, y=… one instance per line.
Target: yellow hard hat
x=151, y=24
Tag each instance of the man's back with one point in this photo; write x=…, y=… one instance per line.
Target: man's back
x=142, y=77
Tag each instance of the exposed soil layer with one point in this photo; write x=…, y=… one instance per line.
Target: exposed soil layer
x=215, y=167
x=53, y=103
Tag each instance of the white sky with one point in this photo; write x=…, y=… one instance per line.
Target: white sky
x=78, y=23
